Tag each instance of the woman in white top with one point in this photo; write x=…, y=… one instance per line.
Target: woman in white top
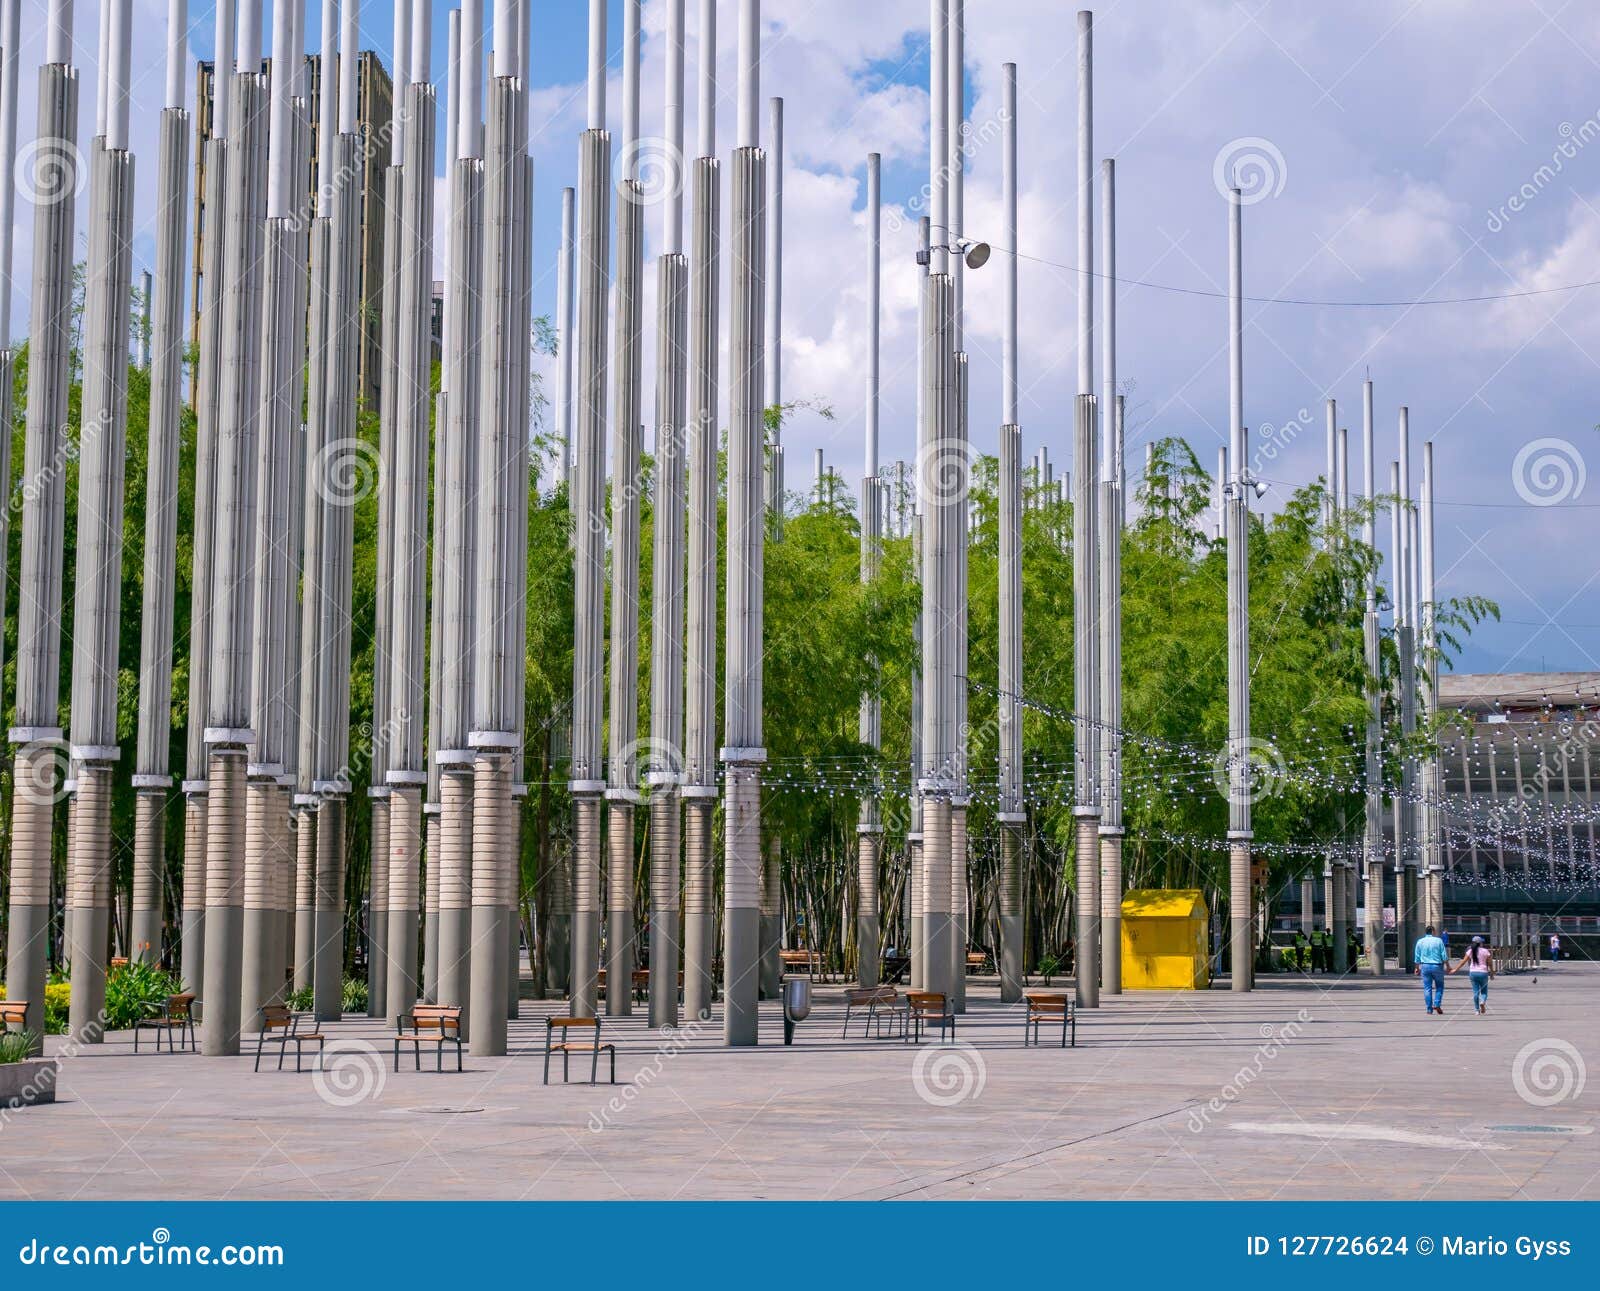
x=1479, y=963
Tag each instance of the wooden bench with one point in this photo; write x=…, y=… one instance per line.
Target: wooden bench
x=977, y=961
x=277, y=1018
x=928, y=1008
x=13, y=1015
x=808, y=962
x=879, y=1002
x=1047, y=1006
x=174, y=1014
x=434, y=1024
x=567, y=1047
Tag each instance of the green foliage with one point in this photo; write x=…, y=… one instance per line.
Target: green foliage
x=353, y=997
x=301, y=1001
x=134, y=990
x=17, y=1046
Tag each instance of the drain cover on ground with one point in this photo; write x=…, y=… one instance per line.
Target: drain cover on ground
x=1540, y=1129
x=436, y=1111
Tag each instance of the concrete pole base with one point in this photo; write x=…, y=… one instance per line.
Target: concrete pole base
x=1111, y=914
x=741, y=950
x=192, y=920
x=1086, y=959
x=1011, y=967
x=27, y=964
x=699, y=951
x=327, y=960
x=919, y=961
x=225, y=836
x=585, y=984
x=664, y=969
x=869, y=952
x=89, y=899
x=620, y=950
x=455, y=935
x=771, y=960
x=149, y=864
x=1241, y=918
x=960, y=935
x=487, y=990
x=86, y=954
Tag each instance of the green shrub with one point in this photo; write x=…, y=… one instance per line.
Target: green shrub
x=354, y=997
x=300, y=1001
x=17, y=1046
x=132, y=990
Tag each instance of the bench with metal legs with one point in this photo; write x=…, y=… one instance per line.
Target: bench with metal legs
x=567, y=1047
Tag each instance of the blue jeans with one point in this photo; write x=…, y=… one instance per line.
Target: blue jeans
x=1433, y=986
x=1480, y=988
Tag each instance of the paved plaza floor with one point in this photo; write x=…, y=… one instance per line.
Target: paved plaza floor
x=1304, y=1089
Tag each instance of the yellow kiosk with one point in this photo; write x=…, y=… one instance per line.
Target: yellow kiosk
x=1164, y=940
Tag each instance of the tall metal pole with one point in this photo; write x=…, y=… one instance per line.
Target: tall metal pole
x=1111, y=522
x=869, y=828
x=98, y=580
x=1241, y=941
x=774, y=354
x=566, y=308
x=743, y=751
x=589, y=533
x=228, y=733
x=700, y=771
x=622, y=725
x=1432, y=851
x=500, y=573
x=458, y=487
x=667, y=590
x=407, y=776
x=940, y=461
x=151, y=781
x=1406, y=641
x=334, y=478
x=1013, y=816
x=1372, y=833
x=268, y=855
x=955, y=88
x=1086, y=608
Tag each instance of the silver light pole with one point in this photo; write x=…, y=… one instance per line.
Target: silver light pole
x=869, y=829
x=1012, y=814
x=1241, y=908
x=622, y=727
x=1111, y=523
x=1432, y=851
x=589, y=541
x=1406, y=641
x=743, y=752
x=663, y=774
x=151, y=781
x=1372, y=833
x=700, y=772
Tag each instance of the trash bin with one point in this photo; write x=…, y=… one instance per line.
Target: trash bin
x=796, y=1004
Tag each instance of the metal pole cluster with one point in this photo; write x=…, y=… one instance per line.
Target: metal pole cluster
x=869, y=829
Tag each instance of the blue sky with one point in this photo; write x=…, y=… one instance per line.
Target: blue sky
x=1440, y=150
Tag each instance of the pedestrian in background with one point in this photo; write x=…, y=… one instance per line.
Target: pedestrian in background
x=1479, y=963
x=1430, y=958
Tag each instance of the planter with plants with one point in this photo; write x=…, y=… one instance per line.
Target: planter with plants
x=24, y=1080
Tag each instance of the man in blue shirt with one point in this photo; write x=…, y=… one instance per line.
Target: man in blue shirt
x=1430, y=957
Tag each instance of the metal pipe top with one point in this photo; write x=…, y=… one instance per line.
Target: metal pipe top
x=1236, y=333
x=708, y=78
x=402, y=71
x=421, y=41
x=177, y=51
x=58, y=33
x=874, y=296
x=631, y=42
x=749, y=73
x=1108, y=320
x=672, y=241
x=452, y=86
x=1008, y=187
x=469, y=82
x=349, y=56
x=327, y=103
x=10, y=22
x=222, y=69
x=279, y=142
x=1085, y=202
x=119, y=72
x=247, y=38
x=297, y=79
x=102, y=70
x=506, y=46
x=597, y=64
x=938, y=136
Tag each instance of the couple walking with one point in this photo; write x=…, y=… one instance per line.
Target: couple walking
x=1432, y=961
